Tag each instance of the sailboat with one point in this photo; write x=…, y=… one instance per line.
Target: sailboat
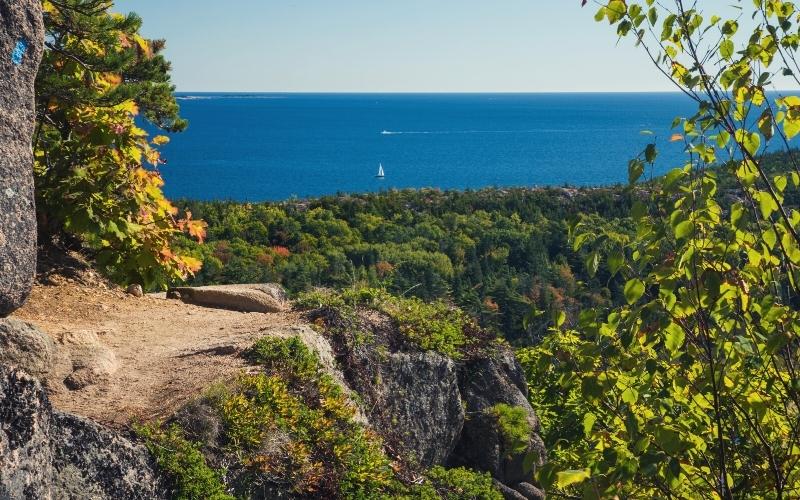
x=381, y=174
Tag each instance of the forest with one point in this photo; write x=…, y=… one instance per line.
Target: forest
x=496, y=253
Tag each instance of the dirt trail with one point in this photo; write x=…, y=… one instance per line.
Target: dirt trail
x=168, y=351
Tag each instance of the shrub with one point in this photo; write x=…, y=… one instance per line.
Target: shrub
x=182, y=460
x=290, y=356
x=458, y=484
x=512, y=421
x=325, y=452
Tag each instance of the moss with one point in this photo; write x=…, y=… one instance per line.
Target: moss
x=512, y=421
x=184, y=463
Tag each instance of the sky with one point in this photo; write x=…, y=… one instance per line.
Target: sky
x=393, y=46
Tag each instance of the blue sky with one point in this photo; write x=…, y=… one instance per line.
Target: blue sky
x=392, y=46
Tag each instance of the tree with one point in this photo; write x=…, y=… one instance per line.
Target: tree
x=97, y=178
x=690, y=390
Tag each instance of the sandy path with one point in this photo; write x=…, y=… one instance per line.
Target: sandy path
x=168, y=351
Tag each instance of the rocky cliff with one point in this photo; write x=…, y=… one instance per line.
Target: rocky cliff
x=356, y=388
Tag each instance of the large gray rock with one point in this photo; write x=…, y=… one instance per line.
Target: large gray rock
x=25, y=448
x=430, y=408
x=410, y=398
x=25, y=347
x=259, y=298
x=21, y=42
x=91, y=362
x=485, y=383
x=49, y=454
x=90, y=461
x=417, y=401
x=77, y=360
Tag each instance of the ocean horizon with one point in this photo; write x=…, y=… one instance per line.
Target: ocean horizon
x=249, y=146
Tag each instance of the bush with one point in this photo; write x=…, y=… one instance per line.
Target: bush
x=458, y=484
x=512, y=421
x=182, y=460
x=325, y=452
x=293, y=426
x=289, y=356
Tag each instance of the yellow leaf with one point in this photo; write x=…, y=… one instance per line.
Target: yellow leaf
x=129, y=106
x=144, y=46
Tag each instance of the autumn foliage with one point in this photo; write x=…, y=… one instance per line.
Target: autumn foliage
x=97, y=170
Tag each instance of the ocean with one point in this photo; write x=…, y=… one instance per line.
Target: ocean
x=255, y=147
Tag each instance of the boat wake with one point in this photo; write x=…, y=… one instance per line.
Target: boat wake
x=229, y=96
x=454, y=132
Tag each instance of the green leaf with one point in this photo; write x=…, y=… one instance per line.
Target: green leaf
x=674, y=337
x=630, y=395
x=669, y=440
x=765, y=124
x=652, y=16
x=650, y=153
x=750, y=141
x=737, y=214
x=684, y=229
x=616, y=10
x=559, y=318
x=616, y=259
x=634, y=289
x=766, y=204
x=569, y=477
x=722, y=138
x=591, y=388
x=588, y=423
x=592, y=263
x=726, y=49
x=635, y=170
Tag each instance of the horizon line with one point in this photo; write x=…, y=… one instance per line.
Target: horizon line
x=442, y=92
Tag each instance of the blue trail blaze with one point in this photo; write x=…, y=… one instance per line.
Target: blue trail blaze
x=19, y=52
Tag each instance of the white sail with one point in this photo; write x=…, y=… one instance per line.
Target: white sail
x=380, y=171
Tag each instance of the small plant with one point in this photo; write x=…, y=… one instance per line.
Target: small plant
x=514, y=427
x=285, y=355
x=182, y=460
x=292, y=425
x=319, y=298
x=434, y=326
x=457, y=484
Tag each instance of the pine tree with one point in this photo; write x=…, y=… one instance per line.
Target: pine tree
x=97, y=177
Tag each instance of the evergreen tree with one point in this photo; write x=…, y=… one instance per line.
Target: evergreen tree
x=97, y=178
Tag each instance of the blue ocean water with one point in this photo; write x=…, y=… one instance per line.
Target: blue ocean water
x=254, y=147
